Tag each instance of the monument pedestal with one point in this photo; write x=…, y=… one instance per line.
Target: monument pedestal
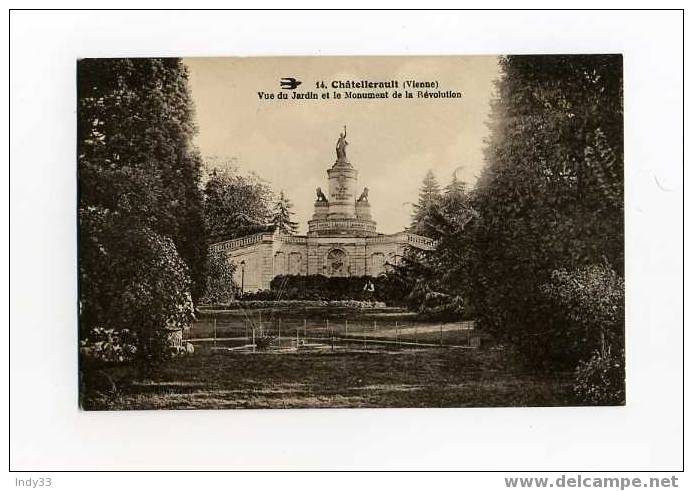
x=363, y=210
x=342, y=215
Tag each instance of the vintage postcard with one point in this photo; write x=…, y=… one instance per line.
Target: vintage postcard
x=341, y=232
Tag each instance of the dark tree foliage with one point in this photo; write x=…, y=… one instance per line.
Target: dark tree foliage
x=221, y=287
x=236, y=205
x=589, y=306
x=131, y=279
x=551, y=195
x=429, y=203
x=135, y=125
x=319, y=287
x=281, y=219
x=455, y=196
x=437, y=282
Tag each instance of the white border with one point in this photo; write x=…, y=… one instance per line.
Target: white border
x=49, y=433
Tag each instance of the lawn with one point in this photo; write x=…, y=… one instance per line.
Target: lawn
x=382, y=377
x=388, y=324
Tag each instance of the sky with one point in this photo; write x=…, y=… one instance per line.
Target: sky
x=392, y=142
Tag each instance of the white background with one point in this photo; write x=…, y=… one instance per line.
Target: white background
x=48, y=432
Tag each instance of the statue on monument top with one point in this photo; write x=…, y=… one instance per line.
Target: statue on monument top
x=341, y=147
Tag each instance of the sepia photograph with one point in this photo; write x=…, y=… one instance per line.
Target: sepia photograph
x=351, y=232
x=350, y=248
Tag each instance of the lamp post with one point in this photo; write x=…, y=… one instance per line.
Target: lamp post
x=242, y=277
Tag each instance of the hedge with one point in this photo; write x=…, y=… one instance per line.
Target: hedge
x=319, y=287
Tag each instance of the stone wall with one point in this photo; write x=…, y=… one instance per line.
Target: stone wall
x=268, y=255
x=253, y=260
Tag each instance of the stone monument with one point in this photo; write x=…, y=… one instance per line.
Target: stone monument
x=342, y=239
x=341, y=213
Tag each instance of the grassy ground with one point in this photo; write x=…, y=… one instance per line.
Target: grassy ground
x=435, y=377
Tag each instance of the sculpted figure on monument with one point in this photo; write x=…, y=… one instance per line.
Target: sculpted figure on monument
x=364, y=195
x=321, y=195
x=341, y=146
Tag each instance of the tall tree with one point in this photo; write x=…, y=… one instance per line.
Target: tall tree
x=236, y=205
x=551, y=194
x=142, y=238
x=428, y=203
x=455, y=196
x=439, y=279
x=281, y=220
x=135, y=129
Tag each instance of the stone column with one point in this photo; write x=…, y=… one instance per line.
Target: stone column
x=342, y=190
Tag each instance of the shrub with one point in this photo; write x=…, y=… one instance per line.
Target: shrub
x=318, y=287
x=260, y=295
x=586, y=307
x=108, y=346
x=442, y=306
x=434, y=305
x=131, y=278
x=220, y=283
x=601, y=379
x=392, y=288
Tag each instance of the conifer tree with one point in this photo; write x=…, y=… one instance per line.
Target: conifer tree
x=281, y=220
x=455, y=195
x=428, y=203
